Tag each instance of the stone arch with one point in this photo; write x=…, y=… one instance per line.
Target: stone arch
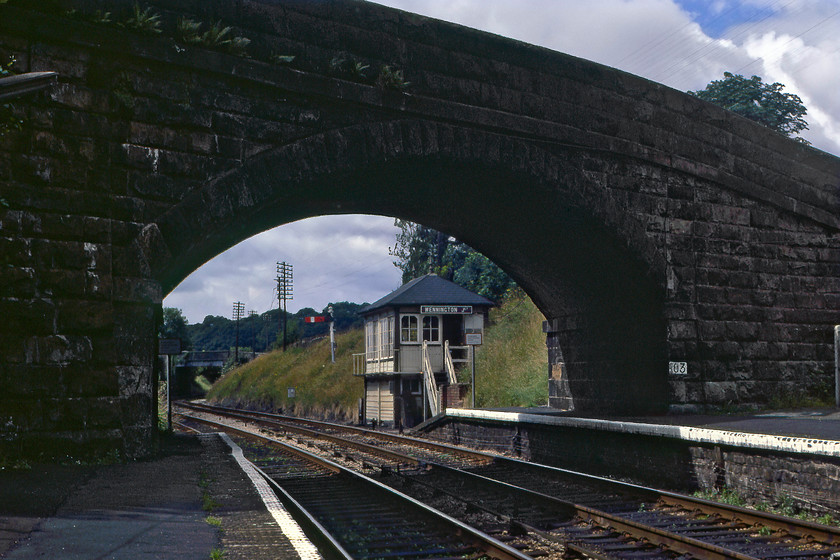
x=602, y=288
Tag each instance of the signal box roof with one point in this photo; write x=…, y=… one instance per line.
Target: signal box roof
x=430, y=289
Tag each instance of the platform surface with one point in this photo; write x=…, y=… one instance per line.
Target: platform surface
x=822, y=423
x=146, y=509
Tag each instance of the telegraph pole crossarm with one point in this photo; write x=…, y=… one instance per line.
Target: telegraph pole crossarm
x=238, y=312
x=285, y=285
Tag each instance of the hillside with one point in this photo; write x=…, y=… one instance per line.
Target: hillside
x=511, y=370
x=322, y=389
x=512, y=365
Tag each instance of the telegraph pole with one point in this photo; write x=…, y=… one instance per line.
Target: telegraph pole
x=251, y=314
x=238, y=311
x=285, y=276
x=332, y=334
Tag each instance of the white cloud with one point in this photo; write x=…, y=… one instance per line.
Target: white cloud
x=335, y=258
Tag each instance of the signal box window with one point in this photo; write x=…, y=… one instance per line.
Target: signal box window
x=431, y=329
x=409, y=329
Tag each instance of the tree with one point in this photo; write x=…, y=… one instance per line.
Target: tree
x=175, y=326
x=481, y=275
x=763, y=103
x=421, y=250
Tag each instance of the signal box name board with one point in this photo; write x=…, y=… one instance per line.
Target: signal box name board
x=446, y=309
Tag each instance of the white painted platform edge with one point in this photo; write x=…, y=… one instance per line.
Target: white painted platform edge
x=289, y=526
x=769, y=442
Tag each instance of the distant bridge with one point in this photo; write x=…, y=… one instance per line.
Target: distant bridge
x=195, y=359
x=682, y=255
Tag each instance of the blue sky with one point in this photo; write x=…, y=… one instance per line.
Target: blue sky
x=715, y=17
x=683, y=44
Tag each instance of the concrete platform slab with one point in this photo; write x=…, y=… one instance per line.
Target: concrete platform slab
x=146, y=509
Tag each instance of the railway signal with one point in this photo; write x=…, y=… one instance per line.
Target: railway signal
x=324, y=319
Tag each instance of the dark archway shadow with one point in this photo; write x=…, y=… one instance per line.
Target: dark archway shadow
x=586, y=262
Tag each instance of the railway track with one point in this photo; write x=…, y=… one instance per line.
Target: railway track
x=582, y=515
x=351, y=516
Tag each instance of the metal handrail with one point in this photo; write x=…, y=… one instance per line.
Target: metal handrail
x=429, y=381
x=448, y=362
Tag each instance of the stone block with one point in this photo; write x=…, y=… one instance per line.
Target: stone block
x=720, y=392
x=681, y=330
x=136, y=410
x=134, y=380
x=58, y=349
x=84, y=316
x=104, y=413
x=33, y=317
x=87, y=381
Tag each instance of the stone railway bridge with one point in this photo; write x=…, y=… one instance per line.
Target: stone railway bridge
x=648, y=226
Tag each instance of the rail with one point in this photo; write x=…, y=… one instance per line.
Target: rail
x=357, y=512
x=532, y=482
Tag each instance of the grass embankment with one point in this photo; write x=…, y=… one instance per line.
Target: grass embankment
x=322, y=389
x=512, y=364
x=511, y=370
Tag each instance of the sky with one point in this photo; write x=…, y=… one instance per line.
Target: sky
x=684, y=44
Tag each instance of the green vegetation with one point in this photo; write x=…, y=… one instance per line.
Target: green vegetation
x=828, y=519
x=217, y=554
x=259, y=332
x=757, y=101
x=420, y=250
x=512, y=364
x=144, y=20
x=346, y=67
x=765, y=531
x=391, y=78
x=786, y=505
x=723, y=495
x=208, y=503
x=214, y=521
x=511, y=370
x=815, y=393
x=216, y=36
x=321, y=388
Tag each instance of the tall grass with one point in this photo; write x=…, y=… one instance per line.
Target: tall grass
x=322, y=389
x=511, y=370
x=512, y=364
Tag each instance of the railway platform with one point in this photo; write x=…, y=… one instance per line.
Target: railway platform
x=158, y=508
x=814, y=423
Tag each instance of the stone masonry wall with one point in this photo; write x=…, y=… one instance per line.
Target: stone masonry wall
x=809, y=482
x=647, y=225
